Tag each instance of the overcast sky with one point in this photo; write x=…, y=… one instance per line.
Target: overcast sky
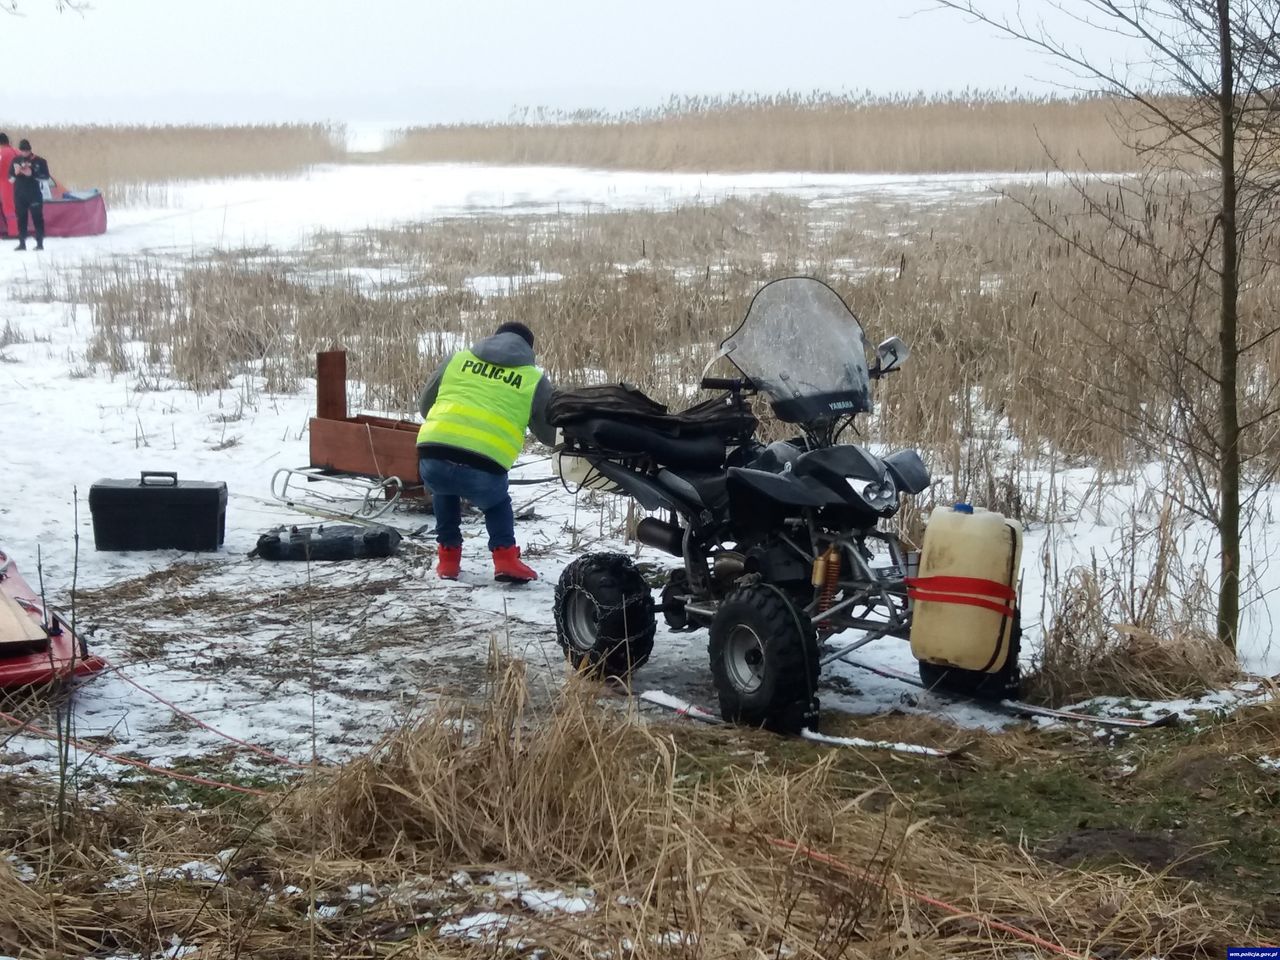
x=426, y=61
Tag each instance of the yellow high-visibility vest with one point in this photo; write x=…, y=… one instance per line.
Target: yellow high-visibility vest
x=482, y=407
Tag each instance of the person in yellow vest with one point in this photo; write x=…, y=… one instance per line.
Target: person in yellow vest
x=475, y=410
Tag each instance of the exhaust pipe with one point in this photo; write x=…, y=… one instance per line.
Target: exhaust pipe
x=667, y=537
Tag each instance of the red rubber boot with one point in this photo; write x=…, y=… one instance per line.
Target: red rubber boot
x=508, y=568
x=448, y=562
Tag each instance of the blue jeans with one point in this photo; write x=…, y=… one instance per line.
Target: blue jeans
x=451, y=483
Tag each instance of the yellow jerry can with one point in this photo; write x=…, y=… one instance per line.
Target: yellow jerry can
x=963, y=598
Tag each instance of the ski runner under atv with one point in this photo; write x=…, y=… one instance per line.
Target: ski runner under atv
x=784, y=544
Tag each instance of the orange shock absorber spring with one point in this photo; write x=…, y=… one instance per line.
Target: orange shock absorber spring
x=830, y=578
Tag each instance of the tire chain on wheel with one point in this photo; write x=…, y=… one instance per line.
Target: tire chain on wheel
x=624, y=614
x=794, y=703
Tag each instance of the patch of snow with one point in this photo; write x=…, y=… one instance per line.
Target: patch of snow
x=459, y=725
x=514, y=885
x=176, y=949
x=495, y=286
x=681, y=706
x=192, y=871
x=21, y=869
x=477, y=926
x=287, y=892
x=1232, y=698
x=359, y=279
x=860, y=743
x=509, y=879
x=555, y=901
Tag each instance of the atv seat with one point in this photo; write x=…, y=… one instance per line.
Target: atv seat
x=618, y=419
x=625, y=438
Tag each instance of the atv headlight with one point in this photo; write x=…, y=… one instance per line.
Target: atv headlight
x=882, y=494
x=879, y=495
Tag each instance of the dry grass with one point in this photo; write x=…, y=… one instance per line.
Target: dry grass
x=130, y=164
x=817, y=133
x=679, y=862
x=1137, y=624
x=1087, y=653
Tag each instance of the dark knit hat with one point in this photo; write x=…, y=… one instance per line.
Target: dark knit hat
x=24, y=144
x=519, y=329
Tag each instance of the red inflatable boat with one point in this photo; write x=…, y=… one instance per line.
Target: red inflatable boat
x=36, y=646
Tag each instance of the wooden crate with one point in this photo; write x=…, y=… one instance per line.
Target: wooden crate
x=366, y=446
x=363, y=445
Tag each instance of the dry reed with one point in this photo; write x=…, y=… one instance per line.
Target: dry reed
x=130, y=164
x=1138, y=622
x=645, y=296
x=818, y=133
x=1089, y=650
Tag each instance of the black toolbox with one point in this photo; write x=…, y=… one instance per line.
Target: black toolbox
x=158, y=512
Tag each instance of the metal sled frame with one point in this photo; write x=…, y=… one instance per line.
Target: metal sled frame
x=372, y=497
x=361, y=467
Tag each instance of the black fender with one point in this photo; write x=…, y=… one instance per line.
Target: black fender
x=788, y=488
x=844, y=461
x=909, y=472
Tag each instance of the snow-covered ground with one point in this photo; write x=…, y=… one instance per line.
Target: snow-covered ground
x=284, y=211
x=233, y=642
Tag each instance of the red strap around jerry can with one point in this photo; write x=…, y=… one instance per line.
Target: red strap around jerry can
x=961, y=590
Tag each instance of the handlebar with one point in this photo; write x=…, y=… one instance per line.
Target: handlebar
x=725, y=383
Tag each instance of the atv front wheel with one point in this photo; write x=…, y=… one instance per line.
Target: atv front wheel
x=764, y=661
x=1002, y=685
x=604, y=614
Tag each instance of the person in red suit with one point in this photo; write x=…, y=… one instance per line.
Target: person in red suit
x=8, y=216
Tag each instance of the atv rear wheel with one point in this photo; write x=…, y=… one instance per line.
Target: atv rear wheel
x=604, y=614
x=1002, y=685
x=764, y=661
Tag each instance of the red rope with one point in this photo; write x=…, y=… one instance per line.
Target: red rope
x=127, y=761
x=945, y=589
x=986, y=604
x=260, y=751
x=990, y=922
x=978, y=585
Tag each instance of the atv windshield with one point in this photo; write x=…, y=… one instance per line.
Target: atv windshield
x=803, y=348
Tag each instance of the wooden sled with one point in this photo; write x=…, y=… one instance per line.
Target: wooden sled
x=361, y=466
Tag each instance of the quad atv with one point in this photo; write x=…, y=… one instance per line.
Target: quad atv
x=784, y=544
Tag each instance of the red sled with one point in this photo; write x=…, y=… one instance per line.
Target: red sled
x=37, y=645
x=81, y=213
